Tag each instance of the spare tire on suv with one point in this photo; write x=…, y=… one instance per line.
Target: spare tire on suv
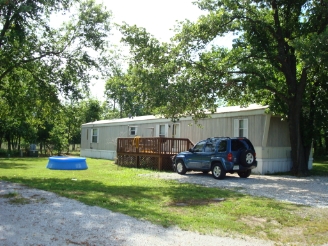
x=247, y=158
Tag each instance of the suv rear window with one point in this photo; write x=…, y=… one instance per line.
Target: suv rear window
x=237, y=144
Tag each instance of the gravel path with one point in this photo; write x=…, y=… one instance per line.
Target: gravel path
x=52, y=220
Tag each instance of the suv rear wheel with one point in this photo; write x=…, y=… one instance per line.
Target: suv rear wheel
x=217, y=171
x=181, y=169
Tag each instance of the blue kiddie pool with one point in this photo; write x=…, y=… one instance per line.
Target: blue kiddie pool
x=67, y=163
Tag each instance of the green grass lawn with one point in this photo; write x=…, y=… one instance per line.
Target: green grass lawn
x=133, y=192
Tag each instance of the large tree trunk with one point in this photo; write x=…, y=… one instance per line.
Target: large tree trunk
x=296, y=91
x=300, y=150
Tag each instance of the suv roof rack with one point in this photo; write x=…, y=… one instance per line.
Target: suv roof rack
x=213, y=139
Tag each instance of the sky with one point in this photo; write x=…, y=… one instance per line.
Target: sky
x=156, y=16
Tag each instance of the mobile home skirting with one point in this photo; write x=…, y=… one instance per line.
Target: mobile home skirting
x=98, y=154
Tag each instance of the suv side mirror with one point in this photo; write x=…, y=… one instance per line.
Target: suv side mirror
x=191, y=150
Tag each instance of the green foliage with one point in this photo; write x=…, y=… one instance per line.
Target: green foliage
x=121, y=92
x=58, y=138
x=74, y=118
x=109, y=111
x=91, y=110
x=59, y=55
x=4, y=153
x=152, y=76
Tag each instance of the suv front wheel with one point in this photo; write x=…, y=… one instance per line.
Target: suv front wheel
x=217, y=171
x=181, y=169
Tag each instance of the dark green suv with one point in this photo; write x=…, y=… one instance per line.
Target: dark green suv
x=220, y=155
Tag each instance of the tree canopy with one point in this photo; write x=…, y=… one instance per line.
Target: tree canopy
x=61, y=56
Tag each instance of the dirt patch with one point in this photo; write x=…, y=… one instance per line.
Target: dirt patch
x=254, y=222
x=196, y=202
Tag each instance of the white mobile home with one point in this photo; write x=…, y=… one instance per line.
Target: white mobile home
x=268, y=133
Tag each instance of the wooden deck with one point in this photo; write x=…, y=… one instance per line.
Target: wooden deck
x=154, y=153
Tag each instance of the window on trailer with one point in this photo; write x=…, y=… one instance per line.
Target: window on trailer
x=162, y=130
x=133, y=130
x=94, y=135
x=241, y=128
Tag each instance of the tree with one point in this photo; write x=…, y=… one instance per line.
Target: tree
x=64, y=55
x=58, y=138
x=109, y=111
x=152, y=74
x=53, y=134
x=122, y=93
x=116, y=89
x=24, y=107
x=92, y=110
x=278, y=59
x=120, y=89
x=73, y=112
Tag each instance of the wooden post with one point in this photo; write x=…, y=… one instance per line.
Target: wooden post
x=160, y=163
x=138, y=160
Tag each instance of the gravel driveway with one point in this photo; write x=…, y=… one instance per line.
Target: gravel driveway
x=312, y=191
x=52, y=220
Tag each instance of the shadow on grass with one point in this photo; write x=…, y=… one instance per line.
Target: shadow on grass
x=137, y=201
x=14, y=166
x=23, y=159
x=20, y=163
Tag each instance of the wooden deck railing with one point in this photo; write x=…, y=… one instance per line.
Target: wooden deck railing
x=150, y=152
x=167, y=146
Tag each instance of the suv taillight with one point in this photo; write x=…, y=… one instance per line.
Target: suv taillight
x=230, y=157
